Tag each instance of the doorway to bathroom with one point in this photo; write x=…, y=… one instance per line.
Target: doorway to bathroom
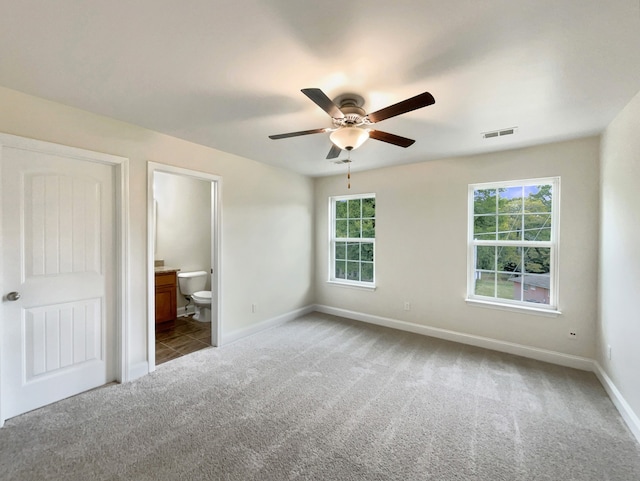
x=183, y=240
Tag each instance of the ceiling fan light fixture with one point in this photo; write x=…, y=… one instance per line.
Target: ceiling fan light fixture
x=349, y=138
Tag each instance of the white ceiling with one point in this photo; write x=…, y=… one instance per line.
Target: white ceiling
x=228, y=73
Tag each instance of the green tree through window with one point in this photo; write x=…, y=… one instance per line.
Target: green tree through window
x=513, y=241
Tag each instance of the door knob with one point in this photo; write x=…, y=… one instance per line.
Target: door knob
x=13, y=296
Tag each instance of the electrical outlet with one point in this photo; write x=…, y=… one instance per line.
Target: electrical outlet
x=407, y=306
x=573, y=335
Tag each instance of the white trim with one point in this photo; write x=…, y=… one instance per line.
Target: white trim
x=512, y=243
x=514, y=183
x=545, y=355
x=353, y=196
x=266, y=324
x=216, y=253
x=216, y=257
x=138, y=370
x=33, y=145
x=513, y=308
x=151, y=295
x=122, y=204
x=332, y=243
x=352, y=285
x=631, y=418
x=121, y=211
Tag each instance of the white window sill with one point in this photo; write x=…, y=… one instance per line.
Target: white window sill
x=514, y=308
x=353, y=285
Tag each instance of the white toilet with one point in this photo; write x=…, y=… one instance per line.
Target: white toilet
x=192, y=286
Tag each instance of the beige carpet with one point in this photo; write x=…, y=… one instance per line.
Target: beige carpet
x=323, y=398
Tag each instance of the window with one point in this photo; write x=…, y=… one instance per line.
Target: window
x=353, y=232
x=513, y=243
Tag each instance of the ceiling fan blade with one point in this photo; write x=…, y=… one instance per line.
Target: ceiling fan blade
x=423, y=100
x=297, y=134
x=334, y=152
x=324, y=102
x=391, y=138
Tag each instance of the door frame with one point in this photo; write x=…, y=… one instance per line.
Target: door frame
x=216, y=250
x=121, y=258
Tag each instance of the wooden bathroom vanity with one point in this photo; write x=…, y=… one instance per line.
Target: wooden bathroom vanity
x=166, y=294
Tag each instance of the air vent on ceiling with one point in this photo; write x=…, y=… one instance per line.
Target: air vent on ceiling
x=499, y=133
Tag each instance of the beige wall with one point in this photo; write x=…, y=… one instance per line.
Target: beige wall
x=274, y=234
x=267, y=214
x=619, y=266
x=421, y=253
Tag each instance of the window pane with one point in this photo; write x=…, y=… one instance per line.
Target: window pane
x=366, y=251
x=354, y=209
x=486, y=258
x=484, y=201
x=354, y=228
x=509, y=259
x=367, y=272
x=485, y=284
x=536, y=288
x=538, y=198
x=353, y=251
x=484, y=227
x=510, y=200
x=341, y=250
x=509, y=287
x=341, y=228
x=341, y=209
x=353, y=271
x=341, y=270
x=537, y=227
x=520, y=216
x=369, y=228
x=510, y=227
x=369, y=207
x=537, y=260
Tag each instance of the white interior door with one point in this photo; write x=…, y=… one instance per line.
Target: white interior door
x=58, y=243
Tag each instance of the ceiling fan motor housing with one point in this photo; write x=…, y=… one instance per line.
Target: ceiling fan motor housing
x=351, y=106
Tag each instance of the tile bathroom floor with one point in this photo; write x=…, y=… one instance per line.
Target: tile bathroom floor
x=181, y=337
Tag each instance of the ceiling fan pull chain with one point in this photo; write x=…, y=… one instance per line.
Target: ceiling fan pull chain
x=349, y=175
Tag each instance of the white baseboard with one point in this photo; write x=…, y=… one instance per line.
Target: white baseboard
x=138, y=370
x=619, y=402
x=266, y=324
x=545, y=355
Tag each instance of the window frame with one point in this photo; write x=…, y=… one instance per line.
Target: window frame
x=553, y=244
x=332, y=279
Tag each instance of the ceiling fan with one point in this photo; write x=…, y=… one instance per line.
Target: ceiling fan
x=350, y=121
